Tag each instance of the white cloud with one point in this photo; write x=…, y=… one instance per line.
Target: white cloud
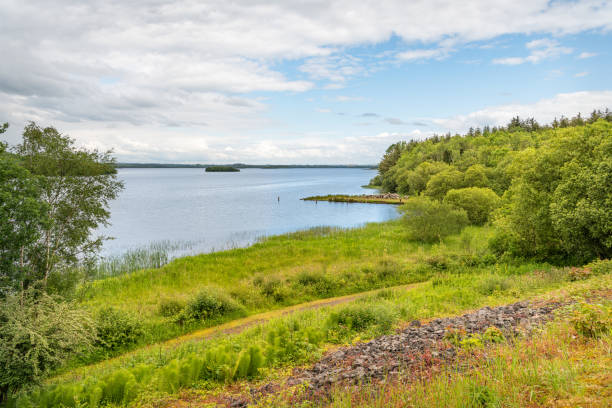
x=584, y=55
x=182, y=80
x=422, y=54
x=345, y=98
x=544, y=110
x=581, y=74
x=539, y=50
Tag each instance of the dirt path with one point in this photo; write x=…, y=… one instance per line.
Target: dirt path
x=239, y=325
x=233, y=327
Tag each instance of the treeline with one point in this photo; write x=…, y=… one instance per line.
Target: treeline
x=241, y=166
x=547, y=188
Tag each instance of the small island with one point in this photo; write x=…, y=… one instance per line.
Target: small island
x=388, y=198
x=217, y=169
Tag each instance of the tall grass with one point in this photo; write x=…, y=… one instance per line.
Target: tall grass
x=300, y=338
x=555, y=368
x=154, y=255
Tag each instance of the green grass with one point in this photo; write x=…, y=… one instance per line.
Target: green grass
x=448, y=293
x=282, y=271
x=152, y=256
x=291, y=269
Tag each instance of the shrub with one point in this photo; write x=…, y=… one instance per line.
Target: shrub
x=272, y=287
x=349, y=320
x=592, y=320
x=477, y=202
x=575, y=274
x=210, y=303
x=428, y=220
x=37, y=334
x=169, y=307
x=317, y=282
x=494, y=284
x=493, y=335
x=290, y=343
x=600, y=267
x=116, y=330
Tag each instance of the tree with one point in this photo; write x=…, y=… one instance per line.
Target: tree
x=429, y=220
x=440, y=183
x=476, y=176
x=415, y=181
x=37, y=335
x=581, y=209
x=559, y=205
x=22, y=217
x=76, y=186
x=477, y=202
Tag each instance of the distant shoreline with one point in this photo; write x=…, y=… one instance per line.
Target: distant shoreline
x=242, y=166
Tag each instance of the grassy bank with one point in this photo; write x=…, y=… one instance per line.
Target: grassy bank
x=368, y=199
x=155, y=372
x=278, y=272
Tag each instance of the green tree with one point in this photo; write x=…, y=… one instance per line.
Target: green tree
x=37, y=335
x=413, y=182
x=581, y=209
x=76, y=186
x=477, y=202
x=440, y=183
x=559, y=205
x=22, y=217
x=476, y=176
x=430, y=220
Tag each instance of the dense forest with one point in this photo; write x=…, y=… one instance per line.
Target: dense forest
x=546, y=188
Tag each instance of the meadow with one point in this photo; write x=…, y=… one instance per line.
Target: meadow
x=154, y=374
x=453, y=275
x=277, y=272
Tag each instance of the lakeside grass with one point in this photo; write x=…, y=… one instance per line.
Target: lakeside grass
x=282, y=271
x=460, y=272
x=367, y=199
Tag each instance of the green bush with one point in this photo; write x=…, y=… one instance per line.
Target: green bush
x=439, y=184
x=37, y=334
x=476, y=176
x=291, y=343
x=210, y=303
x=371, y=320
x=170, y=307
x=429, y=220
x=592, y=320
x=317, y=282
x=600, y=266
x=116, y=330
x=477, y=202
x=272, y=287
x=493, y=284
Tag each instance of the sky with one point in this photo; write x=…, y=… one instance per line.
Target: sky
x=294, y=82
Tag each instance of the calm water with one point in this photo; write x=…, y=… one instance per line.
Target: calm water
x=213, y=211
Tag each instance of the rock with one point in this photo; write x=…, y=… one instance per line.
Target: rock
x=415, y=346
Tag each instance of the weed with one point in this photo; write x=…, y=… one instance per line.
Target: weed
x=592, y=320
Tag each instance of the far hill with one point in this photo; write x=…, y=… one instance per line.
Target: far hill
x=244, y=166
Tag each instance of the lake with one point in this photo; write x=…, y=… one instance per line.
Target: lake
x=204, y=212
